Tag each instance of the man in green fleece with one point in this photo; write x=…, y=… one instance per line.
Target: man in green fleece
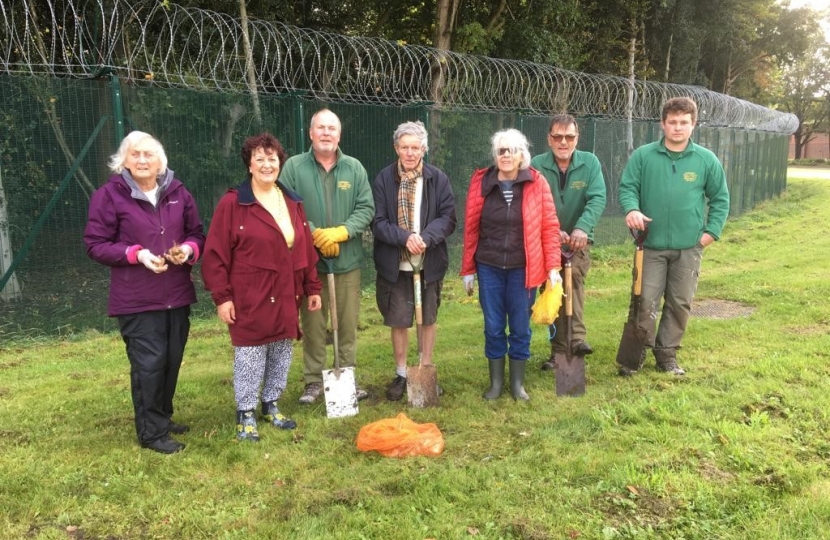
x=339, y=206
x=678, y=190
x=578, y=189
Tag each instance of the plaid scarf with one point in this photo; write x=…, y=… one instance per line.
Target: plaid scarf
x=408, y=181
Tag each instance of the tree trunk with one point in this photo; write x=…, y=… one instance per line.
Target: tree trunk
x=249, y=62
x=447, y=12
x=12, y=289
x=668, y=59
x=629, y=109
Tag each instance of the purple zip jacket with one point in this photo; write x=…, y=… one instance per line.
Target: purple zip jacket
x=122, y=221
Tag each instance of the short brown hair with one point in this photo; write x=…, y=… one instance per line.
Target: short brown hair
x=267, y=142
x=563, y=120
x=680, y=105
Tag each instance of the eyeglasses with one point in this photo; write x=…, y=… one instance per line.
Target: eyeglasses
x=558, y=138
x=511, y=151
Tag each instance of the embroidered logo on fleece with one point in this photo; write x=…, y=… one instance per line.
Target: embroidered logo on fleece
x=344, y=185
x=173, y=202
x=690, y=176
x=579, y=185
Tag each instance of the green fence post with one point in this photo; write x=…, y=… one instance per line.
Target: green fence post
x=30, y=240
x=117, y=108
x=299, y=125
x=426, y=125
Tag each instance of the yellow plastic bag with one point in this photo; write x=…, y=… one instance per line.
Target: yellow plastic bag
x=400, y=437
x=546, y=307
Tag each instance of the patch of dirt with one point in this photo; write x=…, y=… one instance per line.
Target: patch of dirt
x=713, y=308
x=773, y=405
x=710, y=471
x=16, y=438
x=638, y=505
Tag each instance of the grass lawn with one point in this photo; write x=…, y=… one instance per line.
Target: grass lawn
x=739, y=448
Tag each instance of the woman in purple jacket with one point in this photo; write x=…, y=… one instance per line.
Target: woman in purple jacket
x=145, y=226
x=259, y=265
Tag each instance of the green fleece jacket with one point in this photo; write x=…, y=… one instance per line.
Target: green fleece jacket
x=675, y=193
x=346, y=199
x=582, y=202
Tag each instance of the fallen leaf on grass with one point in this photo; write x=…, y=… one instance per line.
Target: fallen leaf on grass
x=472, y=531
x=633, y=490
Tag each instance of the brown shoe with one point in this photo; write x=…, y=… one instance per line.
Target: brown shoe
x=311, y=393
x=670, y=366
x=582, y=349
x=396, y=389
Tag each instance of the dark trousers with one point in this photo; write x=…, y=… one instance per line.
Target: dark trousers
x=155, y=343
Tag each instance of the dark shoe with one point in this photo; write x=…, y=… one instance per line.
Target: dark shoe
x=360, y=393
x=396, y=389
x=178, y=429
x=271, y=413
x=551, y=362
x=625, y=372
x=165, y=445
x=246, y=426
x=311, y=393
x=670, y=366
x=517, y=380
x=582, y=349
x=496, y=367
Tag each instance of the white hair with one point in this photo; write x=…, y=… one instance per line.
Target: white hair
x=513, y=139
x=117, y=160
x=416, y=129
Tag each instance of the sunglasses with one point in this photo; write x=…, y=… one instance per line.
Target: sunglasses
x=505, y=151
x=558, y=138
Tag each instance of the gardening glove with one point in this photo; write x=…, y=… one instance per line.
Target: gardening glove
x=468, y=283
x=317, y=237
x=151, y=262
x=330, y=252
x=179, y=254
x=555, y=277
x=333, y=235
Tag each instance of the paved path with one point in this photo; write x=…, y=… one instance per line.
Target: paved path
x=819, y=173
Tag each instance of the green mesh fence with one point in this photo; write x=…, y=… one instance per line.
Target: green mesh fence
x=57, y=135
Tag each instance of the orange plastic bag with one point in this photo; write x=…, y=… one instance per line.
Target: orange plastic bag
x=400, y=437
x=546, y=307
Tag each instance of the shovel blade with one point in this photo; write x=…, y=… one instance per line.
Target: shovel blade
x=570, y=374
x=422, y=386
x=340, y=392
x=632, y=347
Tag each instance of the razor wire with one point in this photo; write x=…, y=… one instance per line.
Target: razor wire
x=155, y=42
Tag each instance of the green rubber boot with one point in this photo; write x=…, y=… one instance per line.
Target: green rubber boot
x=496, y=378
x=517, y=380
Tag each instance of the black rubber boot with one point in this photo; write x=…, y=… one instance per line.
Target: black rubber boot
x=517, y=380
x=496, y=378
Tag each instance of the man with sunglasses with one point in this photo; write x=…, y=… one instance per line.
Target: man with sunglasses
x=578, y=189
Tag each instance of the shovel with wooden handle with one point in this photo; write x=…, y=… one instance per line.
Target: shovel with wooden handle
x=570, y=367
x=421, y=380
x=632, y=344
x=339, y=386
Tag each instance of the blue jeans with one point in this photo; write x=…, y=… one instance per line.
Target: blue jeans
x=505, y=302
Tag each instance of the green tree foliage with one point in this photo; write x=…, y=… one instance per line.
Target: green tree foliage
x=805, y=91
